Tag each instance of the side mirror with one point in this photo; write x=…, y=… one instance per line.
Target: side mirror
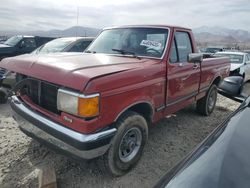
x=231, y=87
x=195, y=58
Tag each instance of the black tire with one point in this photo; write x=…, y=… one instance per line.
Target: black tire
x=3, y=97
x=205, y=105
x=115, y=160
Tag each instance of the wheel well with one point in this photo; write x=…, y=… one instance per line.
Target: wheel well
x=144, y=109
x=217, y=81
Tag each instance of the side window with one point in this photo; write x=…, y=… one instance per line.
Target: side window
x=80, y=46
x=184, y=46
x=85, y=44
x=173, y=55
x=28, y=43
x=76, y=48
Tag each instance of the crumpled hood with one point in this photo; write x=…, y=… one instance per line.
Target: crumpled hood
x=71, y=70
x=235, y=66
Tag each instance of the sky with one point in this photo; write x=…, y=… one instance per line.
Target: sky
x=30, y=15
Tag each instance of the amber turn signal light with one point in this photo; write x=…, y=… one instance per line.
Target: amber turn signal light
x=88, y=107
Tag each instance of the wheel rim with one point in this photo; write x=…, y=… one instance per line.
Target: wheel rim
x=211, y=100
x=130, y=144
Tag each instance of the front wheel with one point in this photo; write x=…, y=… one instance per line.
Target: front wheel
x=127, y=145
x=205, y=105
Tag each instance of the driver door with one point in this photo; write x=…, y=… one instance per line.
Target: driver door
x=183, y=77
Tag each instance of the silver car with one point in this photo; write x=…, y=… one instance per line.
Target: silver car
x=240, y=63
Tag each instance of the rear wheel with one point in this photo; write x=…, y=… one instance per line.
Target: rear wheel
x=127, y=145
x=205, y=105
x=2, y=98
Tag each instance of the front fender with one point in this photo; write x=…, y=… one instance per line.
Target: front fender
x=134, y=103
x=113, y=106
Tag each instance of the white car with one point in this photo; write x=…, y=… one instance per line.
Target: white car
x=240, y=63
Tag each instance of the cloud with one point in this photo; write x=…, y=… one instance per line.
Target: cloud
x=47, y=14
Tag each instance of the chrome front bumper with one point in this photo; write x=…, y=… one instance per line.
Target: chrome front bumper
x=36, y=125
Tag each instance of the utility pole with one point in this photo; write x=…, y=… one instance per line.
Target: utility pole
x=77, y=17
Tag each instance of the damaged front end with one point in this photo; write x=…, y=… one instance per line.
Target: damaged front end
x=34, y=103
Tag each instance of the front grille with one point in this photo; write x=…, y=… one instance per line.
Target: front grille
x=43, y=94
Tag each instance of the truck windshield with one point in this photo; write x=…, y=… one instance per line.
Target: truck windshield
x=233, y=57
x=13, y=41
x=149, y=42
x=56, y=45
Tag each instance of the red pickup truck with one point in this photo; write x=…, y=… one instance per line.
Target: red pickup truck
x=101, y=102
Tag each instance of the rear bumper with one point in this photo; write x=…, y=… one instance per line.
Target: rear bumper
x=84, y=146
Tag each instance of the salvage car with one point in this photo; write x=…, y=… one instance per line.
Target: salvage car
x=66, y=44
x=213, y=50
x=2, y=41
x=7, y=80
x=240, y=63
x=100, y=103
x=19, y=44
x=247, y=51
x=222, y=159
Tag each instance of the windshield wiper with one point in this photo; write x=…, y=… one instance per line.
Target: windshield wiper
x=89, y=51
x=126, y=52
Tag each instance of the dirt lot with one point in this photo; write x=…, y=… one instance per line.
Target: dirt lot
x=169, y=141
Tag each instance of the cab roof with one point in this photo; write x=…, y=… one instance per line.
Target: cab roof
x=150, y=26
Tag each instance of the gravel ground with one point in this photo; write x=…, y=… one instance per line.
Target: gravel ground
x=169, y=141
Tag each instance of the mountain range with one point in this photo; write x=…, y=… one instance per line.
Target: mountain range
x=72, y=31
x=204, y=35
x=220, y=35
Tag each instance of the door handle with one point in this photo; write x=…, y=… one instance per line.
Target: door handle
x=196, y=66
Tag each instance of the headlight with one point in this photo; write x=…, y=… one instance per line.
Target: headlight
x=78, y=104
